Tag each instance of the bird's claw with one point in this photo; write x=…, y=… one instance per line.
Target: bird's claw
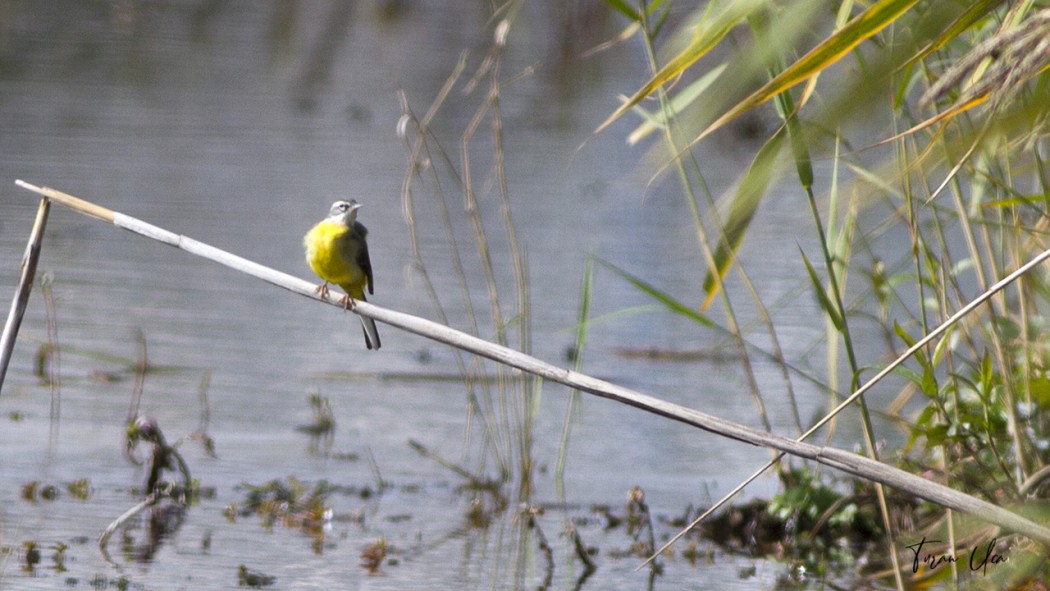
x=322, y=290
x=349, y=303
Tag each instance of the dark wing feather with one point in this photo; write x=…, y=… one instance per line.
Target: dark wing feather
x=362, y=254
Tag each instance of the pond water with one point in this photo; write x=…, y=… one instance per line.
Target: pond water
x=238, y=123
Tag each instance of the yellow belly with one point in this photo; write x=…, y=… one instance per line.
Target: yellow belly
x=333, y=257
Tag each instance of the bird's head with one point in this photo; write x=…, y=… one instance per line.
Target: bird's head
x=344, y=212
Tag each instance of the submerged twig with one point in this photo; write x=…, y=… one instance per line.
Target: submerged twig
x=163, y=457
x=103, y=540
x=476, y=482
x=842, y=460
x=582, y=553
x=544, y=546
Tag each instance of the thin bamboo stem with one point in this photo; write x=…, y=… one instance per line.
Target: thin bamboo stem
x=845, y=461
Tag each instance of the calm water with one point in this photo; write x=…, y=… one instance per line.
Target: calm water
x=238, y=123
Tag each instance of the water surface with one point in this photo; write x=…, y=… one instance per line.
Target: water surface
x=238, y=123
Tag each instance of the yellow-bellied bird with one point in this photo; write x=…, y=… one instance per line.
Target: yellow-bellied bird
x=337, y=251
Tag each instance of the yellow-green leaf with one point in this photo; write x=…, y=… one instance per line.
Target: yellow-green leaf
x=655, y=121
x=863, y=26
x=708, y=33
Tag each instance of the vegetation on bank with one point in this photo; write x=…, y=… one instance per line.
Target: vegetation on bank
x=927, y=123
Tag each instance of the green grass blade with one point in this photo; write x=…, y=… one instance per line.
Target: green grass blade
x=632, y=12
x=799, y=149
x=623, y=8
x=822, y=296
x=576, y=358
x=669, y=302
x=971, y=16
x=585, y=310
x=741, y=211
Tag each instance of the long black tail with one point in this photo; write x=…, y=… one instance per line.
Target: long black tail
x=368, y=326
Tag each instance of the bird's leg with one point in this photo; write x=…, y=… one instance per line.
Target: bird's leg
x=349, y=303
x=322, y=289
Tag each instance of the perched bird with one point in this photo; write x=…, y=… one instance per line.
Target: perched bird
x=337, y=251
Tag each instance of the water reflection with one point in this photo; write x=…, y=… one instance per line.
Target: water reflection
x=142, y=537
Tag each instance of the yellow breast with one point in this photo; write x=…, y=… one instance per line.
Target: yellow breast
x=333, y=257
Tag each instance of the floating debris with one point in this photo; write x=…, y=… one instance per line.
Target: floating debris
x=251, y=578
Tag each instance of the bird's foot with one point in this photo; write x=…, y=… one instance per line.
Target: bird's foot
x=349, y=303
x=322, y=290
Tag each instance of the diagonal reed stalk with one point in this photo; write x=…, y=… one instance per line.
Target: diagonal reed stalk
x=25, y=287
x=842, y=460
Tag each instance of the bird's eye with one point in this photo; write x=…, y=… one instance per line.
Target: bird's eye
x=344, y=207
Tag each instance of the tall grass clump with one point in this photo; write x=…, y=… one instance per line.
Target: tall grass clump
x=469, y=169
x=501, y=402
x=914, y=135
